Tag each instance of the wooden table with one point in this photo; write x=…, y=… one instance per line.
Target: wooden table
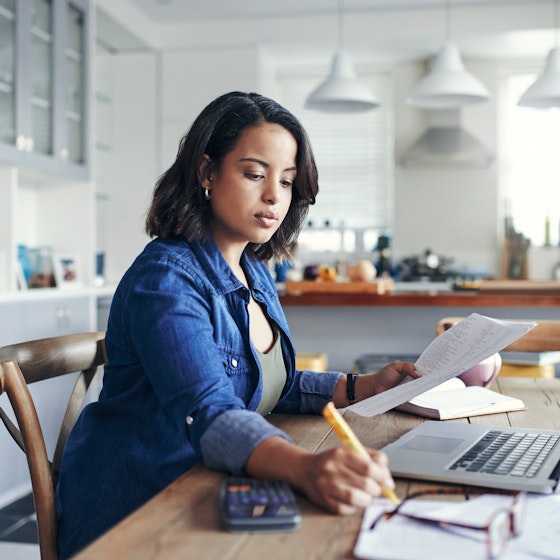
x=182, y=521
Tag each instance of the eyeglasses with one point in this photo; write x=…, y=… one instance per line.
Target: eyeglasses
x=499, y=528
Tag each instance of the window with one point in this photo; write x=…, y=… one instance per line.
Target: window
x=354, y=155
x=531, y=166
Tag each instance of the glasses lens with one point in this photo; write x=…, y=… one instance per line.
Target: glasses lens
x=518, y=511
x=498, y=534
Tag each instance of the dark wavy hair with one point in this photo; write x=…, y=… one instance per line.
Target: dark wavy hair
x=178, y=207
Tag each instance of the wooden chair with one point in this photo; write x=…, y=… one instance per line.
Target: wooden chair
x=544, y=337
x=28, y=362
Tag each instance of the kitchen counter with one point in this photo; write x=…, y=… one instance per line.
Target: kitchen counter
x=422, y=299
x=441, y=294
x=344, y=326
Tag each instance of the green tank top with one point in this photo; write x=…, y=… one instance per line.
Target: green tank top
x=274, y=376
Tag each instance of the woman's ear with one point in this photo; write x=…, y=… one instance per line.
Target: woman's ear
x=204, y=170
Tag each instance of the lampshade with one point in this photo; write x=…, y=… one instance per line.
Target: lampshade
x=448, y=85
x=545, y=92
x=341, y=92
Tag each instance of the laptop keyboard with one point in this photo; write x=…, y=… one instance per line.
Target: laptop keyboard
x=505, y=453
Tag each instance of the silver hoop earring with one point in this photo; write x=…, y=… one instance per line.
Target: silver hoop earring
x=206, y=193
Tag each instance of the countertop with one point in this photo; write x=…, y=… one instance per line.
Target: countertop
x=425, y=295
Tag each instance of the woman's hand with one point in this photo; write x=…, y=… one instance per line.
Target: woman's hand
x=389, y=376
x=370, y=384
x=338, y=480
x=342, y=481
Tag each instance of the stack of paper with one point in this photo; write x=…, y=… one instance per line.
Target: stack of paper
x=400, y=538
x=530, y=358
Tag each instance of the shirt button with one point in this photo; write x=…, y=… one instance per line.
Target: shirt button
x=234, y=362
x=190, y=420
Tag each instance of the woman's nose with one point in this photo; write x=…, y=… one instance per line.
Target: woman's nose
x=271, y=190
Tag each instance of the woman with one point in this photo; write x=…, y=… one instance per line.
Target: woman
x=198, y=346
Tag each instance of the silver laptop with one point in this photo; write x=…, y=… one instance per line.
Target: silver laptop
x=475, y=455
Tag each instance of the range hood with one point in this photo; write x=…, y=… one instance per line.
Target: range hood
x=446, y=144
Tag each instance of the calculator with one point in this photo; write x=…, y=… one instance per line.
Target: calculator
x=253, y=504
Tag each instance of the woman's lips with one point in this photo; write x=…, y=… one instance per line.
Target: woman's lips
x=267, y=219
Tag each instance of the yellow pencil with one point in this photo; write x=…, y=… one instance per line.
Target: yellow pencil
x=348, y=437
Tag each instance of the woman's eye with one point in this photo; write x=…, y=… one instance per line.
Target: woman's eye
x=254, y=176
x=286, y=183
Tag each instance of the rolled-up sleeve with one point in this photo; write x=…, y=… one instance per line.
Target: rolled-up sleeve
x=231, y=438
x=316, y=390
x=309, y=392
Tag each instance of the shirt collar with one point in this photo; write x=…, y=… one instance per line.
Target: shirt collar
x=220, y=273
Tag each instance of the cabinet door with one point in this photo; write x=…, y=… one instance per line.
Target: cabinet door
x=44, y=83
x=27, y=116
x=56, y=317
x=8, y=81
x=39, y=91
x=12, y=328
x=74, y=133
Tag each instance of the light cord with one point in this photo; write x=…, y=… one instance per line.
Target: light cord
x=447, y=22
x=340, y=24
x=556, y=16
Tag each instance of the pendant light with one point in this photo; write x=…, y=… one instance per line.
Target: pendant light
x=545, y=92
x=448, y=85
x=341, y=92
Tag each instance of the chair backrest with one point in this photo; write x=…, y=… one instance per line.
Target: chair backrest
x=544, y=337
x=37, y=360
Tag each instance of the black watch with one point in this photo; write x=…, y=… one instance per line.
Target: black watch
x=351, y=387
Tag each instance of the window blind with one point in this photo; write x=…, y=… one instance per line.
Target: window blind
x=354, y=154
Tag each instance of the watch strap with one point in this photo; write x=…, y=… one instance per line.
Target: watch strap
x=351, y=387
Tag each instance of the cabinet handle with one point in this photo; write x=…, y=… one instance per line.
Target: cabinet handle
x=29, y=144
x=20, y=142
x=64, y=152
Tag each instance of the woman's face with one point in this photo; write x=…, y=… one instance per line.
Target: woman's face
x=252, y=190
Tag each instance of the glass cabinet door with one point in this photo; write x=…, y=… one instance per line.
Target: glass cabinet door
x=75, y=84
x=41, y=77
x=7, y=72
x=44, y=55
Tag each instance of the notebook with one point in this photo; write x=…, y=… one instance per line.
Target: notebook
x=519, y=459
x=453, y=399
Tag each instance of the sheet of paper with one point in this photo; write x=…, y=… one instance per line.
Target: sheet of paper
x=405, y=539
x=541, y=537
x=451, y=353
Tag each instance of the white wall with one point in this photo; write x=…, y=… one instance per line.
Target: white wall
x=154, y=99
x=126, y=176
x=191, y=78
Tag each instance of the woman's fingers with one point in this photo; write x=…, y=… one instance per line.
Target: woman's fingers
x=343, y=481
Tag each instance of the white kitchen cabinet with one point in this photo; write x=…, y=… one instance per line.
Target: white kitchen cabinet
x=41, y=318
x=29, y=319
x=56, y=317
x=45, y=195
x=44, y=85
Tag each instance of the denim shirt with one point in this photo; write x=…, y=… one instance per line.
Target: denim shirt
x=181, y=385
